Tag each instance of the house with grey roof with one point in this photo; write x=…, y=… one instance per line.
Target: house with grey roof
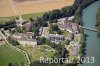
x=25, y=38
x=55, y=38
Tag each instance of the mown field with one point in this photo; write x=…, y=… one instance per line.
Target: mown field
x=25, y=17
x=39, y=51
x=42, y=51
x=9, y=55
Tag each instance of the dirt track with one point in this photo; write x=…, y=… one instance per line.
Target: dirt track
x=35, y=6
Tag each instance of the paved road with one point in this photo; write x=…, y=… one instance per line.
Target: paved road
x=26, y=55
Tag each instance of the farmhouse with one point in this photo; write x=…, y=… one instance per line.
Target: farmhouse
x=27, y=25
x=26, y=41
x=55, y=38
x=25, y=38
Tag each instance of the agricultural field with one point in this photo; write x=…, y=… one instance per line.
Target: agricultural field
x=9, y=55
x=31, y=6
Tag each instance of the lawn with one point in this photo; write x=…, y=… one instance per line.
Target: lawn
x=46, y=50
x=77, y=38
x=39, y=51
x=66, y=33
x=27, y=16
x=9, y=55
x=37, y=54
x=3, y=20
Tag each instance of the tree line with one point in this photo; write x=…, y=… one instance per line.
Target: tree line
x=7, y=25
x=98, y=23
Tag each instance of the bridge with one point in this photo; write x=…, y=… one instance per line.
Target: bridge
x=91, y=29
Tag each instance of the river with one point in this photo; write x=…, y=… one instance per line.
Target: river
x=92, y=42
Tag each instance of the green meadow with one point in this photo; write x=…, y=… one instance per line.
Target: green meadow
x=27, y=16
x=9, y=55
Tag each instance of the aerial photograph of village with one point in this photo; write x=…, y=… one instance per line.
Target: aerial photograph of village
x=49, y=32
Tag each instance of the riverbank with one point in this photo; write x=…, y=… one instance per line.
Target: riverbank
x=98, y=22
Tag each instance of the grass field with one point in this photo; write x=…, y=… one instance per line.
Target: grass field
x=25, y=17
x=66, y=33
x=40, y=51
x=3, y=20
x=9, y=55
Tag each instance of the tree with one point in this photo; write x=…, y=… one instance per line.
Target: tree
x=98, y=33
x=31, y=19
x=59, y=32
x=78, y=15
x=13, y=41
x=54, y=27
x=98, y=23
x=18, y=29
x=8, y=24
x=41, y=40
x=53, y=21
x=67, y=42
x=36, y=31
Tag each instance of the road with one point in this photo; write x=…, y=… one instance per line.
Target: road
x=25, y=53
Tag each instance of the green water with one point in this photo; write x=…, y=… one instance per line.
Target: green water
x=93, y=42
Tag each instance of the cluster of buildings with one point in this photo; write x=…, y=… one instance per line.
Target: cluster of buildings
x=25, y=38
x=63, y=24
x=72, y=27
